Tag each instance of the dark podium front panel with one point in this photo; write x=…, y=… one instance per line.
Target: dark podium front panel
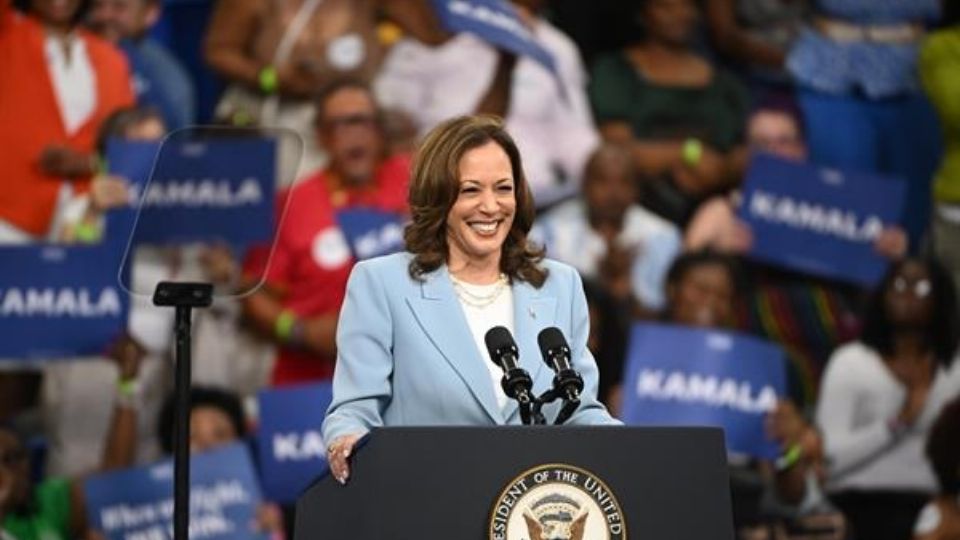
x=586, y=483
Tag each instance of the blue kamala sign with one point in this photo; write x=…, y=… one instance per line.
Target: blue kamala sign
x=137, y=504
x=209, y=190
x=292, y=452
x=819, y=221
x=685, y=376
x=58, y=302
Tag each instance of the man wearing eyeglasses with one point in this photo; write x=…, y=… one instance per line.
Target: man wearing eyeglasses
x=307, y=274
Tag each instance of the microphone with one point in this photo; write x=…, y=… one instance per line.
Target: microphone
x=556, y=354
x=516, y=382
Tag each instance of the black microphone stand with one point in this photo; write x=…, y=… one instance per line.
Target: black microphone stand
x=567, y=386
x=183, y=297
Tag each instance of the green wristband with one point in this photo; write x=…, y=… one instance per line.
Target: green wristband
x=88, y=233
x=284, y=326
x=692, y=152
x=268, y=80
x=790, y=458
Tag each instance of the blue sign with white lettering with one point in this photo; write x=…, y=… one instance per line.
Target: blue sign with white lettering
x=60, y=302
x=691, y=377
x=209, y=190
x=291, y=450
x=819, y=221
x=371, y=233
x=137, y=504
x=496, y=22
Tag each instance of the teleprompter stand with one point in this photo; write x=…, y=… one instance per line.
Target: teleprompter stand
x=183, y=297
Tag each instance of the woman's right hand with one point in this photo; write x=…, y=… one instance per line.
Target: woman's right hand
x=338, y=456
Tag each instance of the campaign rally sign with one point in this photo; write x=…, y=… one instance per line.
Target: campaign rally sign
x=210, y=190
x=137, y=504
x=691, y=377
x=59, y=302
x=817, y=220
x=496, y=22
x=291, y=450
x=371, y=233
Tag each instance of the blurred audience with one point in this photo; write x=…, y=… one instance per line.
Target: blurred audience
x=940, y=72
x=159, y=79
x=276, y=54
x=547, y=113
x=702, y=292
x=940, y=518
x=55, y=508
x=880, y=395
x=755, y=35
x=611, y=239
x=682, y=117
x=856, y=68
x=808, y=316
x=59, y=84
x=75, y=408
x=307, y=275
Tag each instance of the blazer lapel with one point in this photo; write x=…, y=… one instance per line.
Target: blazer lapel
x=439, y=313
x=533, y=310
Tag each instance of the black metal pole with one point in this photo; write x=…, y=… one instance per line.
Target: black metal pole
x=181, y=439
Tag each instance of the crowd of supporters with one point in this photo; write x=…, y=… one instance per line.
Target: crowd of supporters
x=636, y=146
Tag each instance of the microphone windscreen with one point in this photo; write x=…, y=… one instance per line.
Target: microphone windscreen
x=497, y=339
x=551, y=338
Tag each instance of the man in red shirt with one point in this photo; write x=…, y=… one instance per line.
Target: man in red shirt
x=306, y=277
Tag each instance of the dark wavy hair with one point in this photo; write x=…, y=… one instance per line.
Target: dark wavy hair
x=943, y=329
x=943, y=448
x=435, y=186
x=691, y=260
x=201, y=396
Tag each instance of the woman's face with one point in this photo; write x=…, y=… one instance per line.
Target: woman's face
x=482, y=215
x=55, y=12
x=909, y=296
x=210, y=428
x=703, y=297
x=670, y=21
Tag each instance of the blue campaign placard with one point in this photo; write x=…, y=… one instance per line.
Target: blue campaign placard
x=371, y=233
x=137, y=504
x=60, y=301
x=290, y=447
x=819, y=221
x=691, y=377
x=210, y=190
x=496, y=22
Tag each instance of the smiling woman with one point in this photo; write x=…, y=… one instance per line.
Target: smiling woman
x=410, y=339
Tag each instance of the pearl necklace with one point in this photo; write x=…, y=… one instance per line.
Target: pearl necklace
x=479, y=300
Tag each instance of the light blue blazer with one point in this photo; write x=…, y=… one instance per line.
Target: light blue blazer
x=406, y=357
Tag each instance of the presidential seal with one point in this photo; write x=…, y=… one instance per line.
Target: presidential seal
x=557, y=502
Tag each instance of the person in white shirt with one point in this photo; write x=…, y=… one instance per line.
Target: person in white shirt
x=548, y=114
x=880, y=395
x=609, y=238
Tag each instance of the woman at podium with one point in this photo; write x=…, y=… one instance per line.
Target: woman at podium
x=410, y=338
